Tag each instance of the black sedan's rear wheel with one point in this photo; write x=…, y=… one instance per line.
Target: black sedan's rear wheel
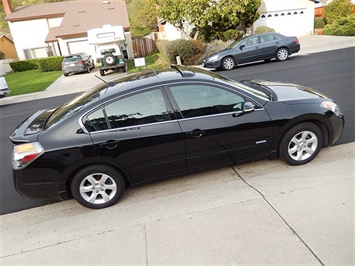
x=282, y=54
x=301, y=144
x=228, y=63
x=98, y=186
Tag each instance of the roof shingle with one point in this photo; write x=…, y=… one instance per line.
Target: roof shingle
x=78, y=16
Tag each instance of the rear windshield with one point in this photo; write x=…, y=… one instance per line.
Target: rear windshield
x=72, y=58
x=73, y=106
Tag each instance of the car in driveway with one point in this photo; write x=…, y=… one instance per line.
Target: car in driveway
x=165, y=123
x=77, y=63
x=257, y=47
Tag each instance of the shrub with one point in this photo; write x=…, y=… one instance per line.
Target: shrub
x=188, y=50
x=341, y=27
x=24, y=65
x=319, y=23
x=52, y=63
x=262, y=29
x=232, y=35
x=337, y=9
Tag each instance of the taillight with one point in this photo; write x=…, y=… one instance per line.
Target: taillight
x=24, y=154
x=98, y=60
x=81, y=62
x=296, y=39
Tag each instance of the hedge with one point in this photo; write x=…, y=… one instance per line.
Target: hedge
x=341, y=27
x=52, y=63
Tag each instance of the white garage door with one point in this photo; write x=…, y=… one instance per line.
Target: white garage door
x=291, y=22
x=79, y=47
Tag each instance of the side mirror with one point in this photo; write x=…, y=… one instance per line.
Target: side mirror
x=241, y=47
x=248, y=107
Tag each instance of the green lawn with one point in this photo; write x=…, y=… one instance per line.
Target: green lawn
x=30, y=81
x=35, y=80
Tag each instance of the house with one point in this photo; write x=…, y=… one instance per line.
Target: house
x=7, y=47
x=288, y=17
x=291, y=17
x=60, y=28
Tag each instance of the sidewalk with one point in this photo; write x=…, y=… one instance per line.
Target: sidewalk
x=82, y=82
x=263, y=213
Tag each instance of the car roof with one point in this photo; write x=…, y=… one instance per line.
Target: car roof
x=152, y=77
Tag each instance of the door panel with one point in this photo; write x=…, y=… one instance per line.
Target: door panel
x=248, y=50
x=139, y=134
x=214, y=134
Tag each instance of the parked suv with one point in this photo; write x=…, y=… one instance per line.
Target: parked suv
x=111, y=57
x=77, y=63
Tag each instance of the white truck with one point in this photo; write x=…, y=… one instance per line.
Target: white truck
x=109, y=42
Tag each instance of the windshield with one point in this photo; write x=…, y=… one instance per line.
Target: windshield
x=255, y=91
x=235, y=43
x=73, y=106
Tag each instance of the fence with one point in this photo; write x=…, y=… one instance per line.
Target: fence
x=143, y=47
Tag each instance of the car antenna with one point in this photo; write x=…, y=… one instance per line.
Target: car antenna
x=101, y=79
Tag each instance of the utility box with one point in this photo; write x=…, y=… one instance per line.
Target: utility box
x=110, y=48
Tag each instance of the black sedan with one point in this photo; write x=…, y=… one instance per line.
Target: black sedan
x=264, y=46
x=165, y=123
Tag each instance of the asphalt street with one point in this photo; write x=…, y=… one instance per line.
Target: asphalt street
x=329, y=72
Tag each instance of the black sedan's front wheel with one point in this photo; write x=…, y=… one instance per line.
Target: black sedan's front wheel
x=98, y=186
x=301, y=144
x=228, y=63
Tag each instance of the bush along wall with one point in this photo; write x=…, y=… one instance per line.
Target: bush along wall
x=24, y=65
x=53, y=63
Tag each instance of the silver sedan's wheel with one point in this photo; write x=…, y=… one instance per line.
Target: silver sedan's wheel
x=282, y=54
x=98, y=186
x=301, y=144
x=228, y=63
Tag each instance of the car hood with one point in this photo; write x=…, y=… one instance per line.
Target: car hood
x=289, y=91
x=29, y=129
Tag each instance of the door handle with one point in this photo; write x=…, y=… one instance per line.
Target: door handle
x=110, y=144
x=196, y=133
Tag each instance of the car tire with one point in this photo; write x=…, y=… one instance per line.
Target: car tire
x=301, y=144
x=123, y=69
x=282, y=54
x=98, y=186
x=109, y=60
x=65, y=75
x=102, y=73
x=228, y=63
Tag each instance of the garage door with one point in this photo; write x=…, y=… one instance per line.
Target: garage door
x=291, y=22
x=79, y=47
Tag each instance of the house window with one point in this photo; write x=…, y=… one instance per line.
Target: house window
x=38, y=52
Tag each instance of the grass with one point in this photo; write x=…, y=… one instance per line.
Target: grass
x=30, y=81
x=155, y=60
x=35, y=80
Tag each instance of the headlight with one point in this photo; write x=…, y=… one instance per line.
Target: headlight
x=213, y=58
x=332, y=107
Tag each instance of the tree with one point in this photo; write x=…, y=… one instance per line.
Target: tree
x=142, y=17
x=210, y=15
x=337, y=9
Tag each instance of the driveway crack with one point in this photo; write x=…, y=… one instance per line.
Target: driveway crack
x=282, y=218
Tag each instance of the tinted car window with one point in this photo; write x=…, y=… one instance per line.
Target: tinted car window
x=268, y=38
x=201, y=100
x=72, y=58
x=252, y=41
x=143, y=108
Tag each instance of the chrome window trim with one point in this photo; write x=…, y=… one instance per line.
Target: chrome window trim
x=130, y=127
x=217, y=115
